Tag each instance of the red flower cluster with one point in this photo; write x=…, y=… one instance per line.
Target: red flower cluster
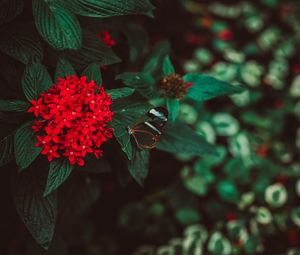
x=106, y=38
x=174, y=86
x=72, y=119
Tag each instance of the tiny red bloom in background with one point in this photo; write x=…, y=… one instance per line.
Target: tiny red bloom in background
x=225, y=35
x=106, y=38
x=72, y=119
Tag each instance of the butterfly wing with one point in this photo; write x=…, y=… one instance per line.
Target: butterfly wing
x=146, y=133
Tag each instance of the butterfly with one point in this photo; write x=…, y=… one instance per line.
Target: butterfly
x=147, y=131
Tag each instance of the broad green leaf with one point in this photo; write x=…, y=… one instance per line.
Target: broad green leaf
x=20, y=45
x=14, y=106
x=142, y=82
x=93, y=50
x=173, y=106
x=127, y=112
x=25, y=150
x=6, y=149
x=59, y=171
x=178, y=138
x=63, y=69
x=206, y=87
x=120, y=93
x=58, y=26
x=93, y=72
x=35, y=80
x=104, y=9
x=10, y=9
x=139, y=165
x=168, y=68
x=138, y=41
x=121, y=133
x=37, y=212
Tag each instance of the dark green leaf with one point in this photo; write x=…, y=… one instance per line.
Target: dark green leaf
x=228, y=191
x=37, y=212
x=58, y=26
x=21, y=46
x=36, y=80
x=138, y=41
x=92, y=50
x=59, y=171
x=206, y=87
x=15, y=106
x=25, y=149
x=179, y=138
x=173, y=106
x=58, y=246
x=104, y=9
x=63, y=69
x=142, y=82
x=93, y=72
x=155, y=62
x=168, y=68
x=9, y=9
x=127, y=112
x=119, y=93
x=139, y=165
x=6, y=149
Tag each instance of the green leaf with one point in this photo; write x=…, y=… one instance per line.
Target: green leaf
x=142, y=82
x=25, y=150
x=59, y=171
x=14, y=106
x=37, y=212
x=58, y=26
x=104, y=9
x=228, y=191
x=93, y=72
x=10, y=9
x=173, y=106
x=178, y=138
x=35, y=80
x=127, y=112
x=138, y=40
x=21, y=45
x=187, y=215
x=155, y=60
x=63, y=69
x=206, y=87
x=93, y=50
x=120, y=93
x=6, y=149
x=168, y=68
x=139, y=165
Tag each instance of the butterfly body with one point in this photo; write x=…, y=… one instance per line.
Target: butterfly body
x=147, y=131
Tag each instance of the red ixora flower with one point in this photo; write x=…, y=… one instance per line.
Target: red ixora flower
x=106, y=38
x=71, y=119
